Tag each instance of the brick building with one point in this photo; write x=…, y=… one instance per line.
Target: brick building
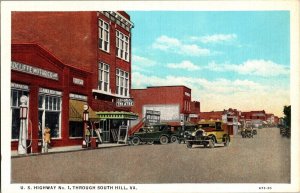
x=63, y=60
x=230, y=116
x=171, y=101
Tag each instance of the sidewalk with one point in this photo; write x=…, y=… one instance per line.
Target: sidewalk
x=68, y=149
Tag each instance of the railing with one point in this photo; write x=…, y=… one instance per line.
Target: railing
x=136, y=127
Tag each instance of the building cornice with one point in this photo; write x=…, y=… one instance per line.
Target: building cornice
x=119, y=19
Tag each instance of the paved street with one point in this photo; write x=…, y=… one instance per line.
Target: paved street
x=262, y=159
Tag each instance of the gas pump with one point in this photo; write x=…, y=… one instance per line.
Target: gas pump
x=85, y=122
x=22, y=146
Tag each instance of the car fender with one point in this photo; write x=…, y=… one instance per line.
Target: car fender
x=213, y=137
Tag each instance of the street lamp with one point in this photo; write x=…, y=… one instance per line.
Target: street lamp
x=22, y=149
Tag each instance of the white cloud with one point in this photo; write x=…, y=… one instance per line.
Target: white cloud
x=142, y=61
x=142, y=64
x=215, y=38
x=187, y=65
x=174, y=45
x=263, y=68
x=222, y=93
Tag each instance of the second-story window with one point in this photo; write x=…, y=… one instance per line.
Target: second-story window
x=122, y=44
x=103, y=78
x=103, y=35
x=122, y=82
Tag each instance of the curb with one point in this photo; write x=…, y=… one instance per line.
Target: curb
x=67, y=151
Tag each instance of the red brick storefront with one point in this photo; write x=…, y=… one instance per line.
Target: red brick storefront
x=64, y=57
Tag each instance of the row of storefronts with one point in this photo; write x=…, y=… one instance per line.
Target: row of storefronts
x=65, y=61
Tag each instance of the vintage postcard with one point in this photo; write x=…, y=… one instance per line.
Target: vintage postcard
x=148, y=96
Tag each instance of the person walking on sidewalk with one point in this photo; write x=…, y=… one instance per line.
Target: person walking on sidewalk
x=87, y=136
x=47, y=139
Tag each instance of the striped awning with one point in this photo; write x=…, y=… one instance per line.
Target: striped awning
x=117, y=115
x=76, y=111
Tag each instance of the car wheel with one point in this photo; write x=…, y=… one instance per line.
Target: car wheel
x=211, y=143
x=226, y=142
x=163, y=140
x=189, y=145
x=243, y=134
x=135, y=141
x=249, y=135
x=174, y=139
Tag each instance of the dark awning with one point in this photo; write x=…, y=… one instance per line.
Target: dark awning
x=76, y=111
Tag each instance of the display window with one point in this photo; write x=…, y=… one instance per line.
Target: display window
x=15, y=110
x=50, y=114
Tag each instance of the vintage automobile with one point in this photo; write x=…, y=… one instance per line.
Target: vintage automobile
x=249, y=131
x=182, y=131
x=208, y=133
x=155, y=133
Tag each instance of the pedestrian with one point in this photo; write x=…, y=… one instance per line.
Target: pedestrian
x=47, y=138
x=87, y=135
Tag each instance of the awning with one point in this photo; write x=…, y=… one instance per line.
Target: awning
x=117, y=115
x=76, y=111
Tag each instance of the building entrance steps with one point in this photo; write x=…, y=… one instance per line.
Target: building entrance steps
x=69, y=149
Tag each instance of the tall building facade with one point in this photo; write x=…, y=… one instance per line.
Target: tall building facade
x=63, y=60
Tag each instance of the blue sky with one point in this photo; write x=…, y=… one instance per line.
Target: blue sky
x=228, y=58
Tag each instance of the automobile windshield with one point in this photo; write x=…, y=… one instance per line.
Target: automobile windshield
x=206, y=126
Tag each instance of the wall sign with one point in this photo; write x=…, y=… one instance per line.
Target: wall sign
x=19, y=86
x=152, y=116
x=78, y=97
x=49, y=91
x=78, y=81
x=187, y=94
x=124, y=102
x=33, y=70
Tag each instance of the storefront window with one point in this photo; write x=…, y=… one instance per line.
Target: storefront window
x=75, y=129
x=15, y=111
x=49, y=114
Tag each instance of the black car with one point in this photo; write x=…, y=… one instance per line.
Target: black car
x=156, y=133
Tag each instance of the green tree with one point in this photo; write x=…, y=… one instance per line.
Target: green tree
x=287, y=115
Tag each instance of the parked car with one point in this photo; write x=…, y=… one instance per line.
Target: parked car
x=285, y=131
x=182, y=132
x=209, y=133
x=156, y=133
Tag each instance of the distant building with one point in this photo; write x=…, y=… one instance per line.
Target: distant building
x=171, y=101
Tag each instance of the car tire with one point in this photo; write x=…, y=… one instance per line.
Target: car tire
x=135, y=141
x=163, y=140
x=189, y=145
x=174, y=139
x=211, y=143
x=226, y=142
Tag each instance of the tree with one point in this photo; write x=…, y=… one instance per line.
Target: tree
x=287, y=115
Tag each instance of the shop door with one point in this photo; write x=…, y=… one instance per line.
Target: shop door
x=105, y=131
